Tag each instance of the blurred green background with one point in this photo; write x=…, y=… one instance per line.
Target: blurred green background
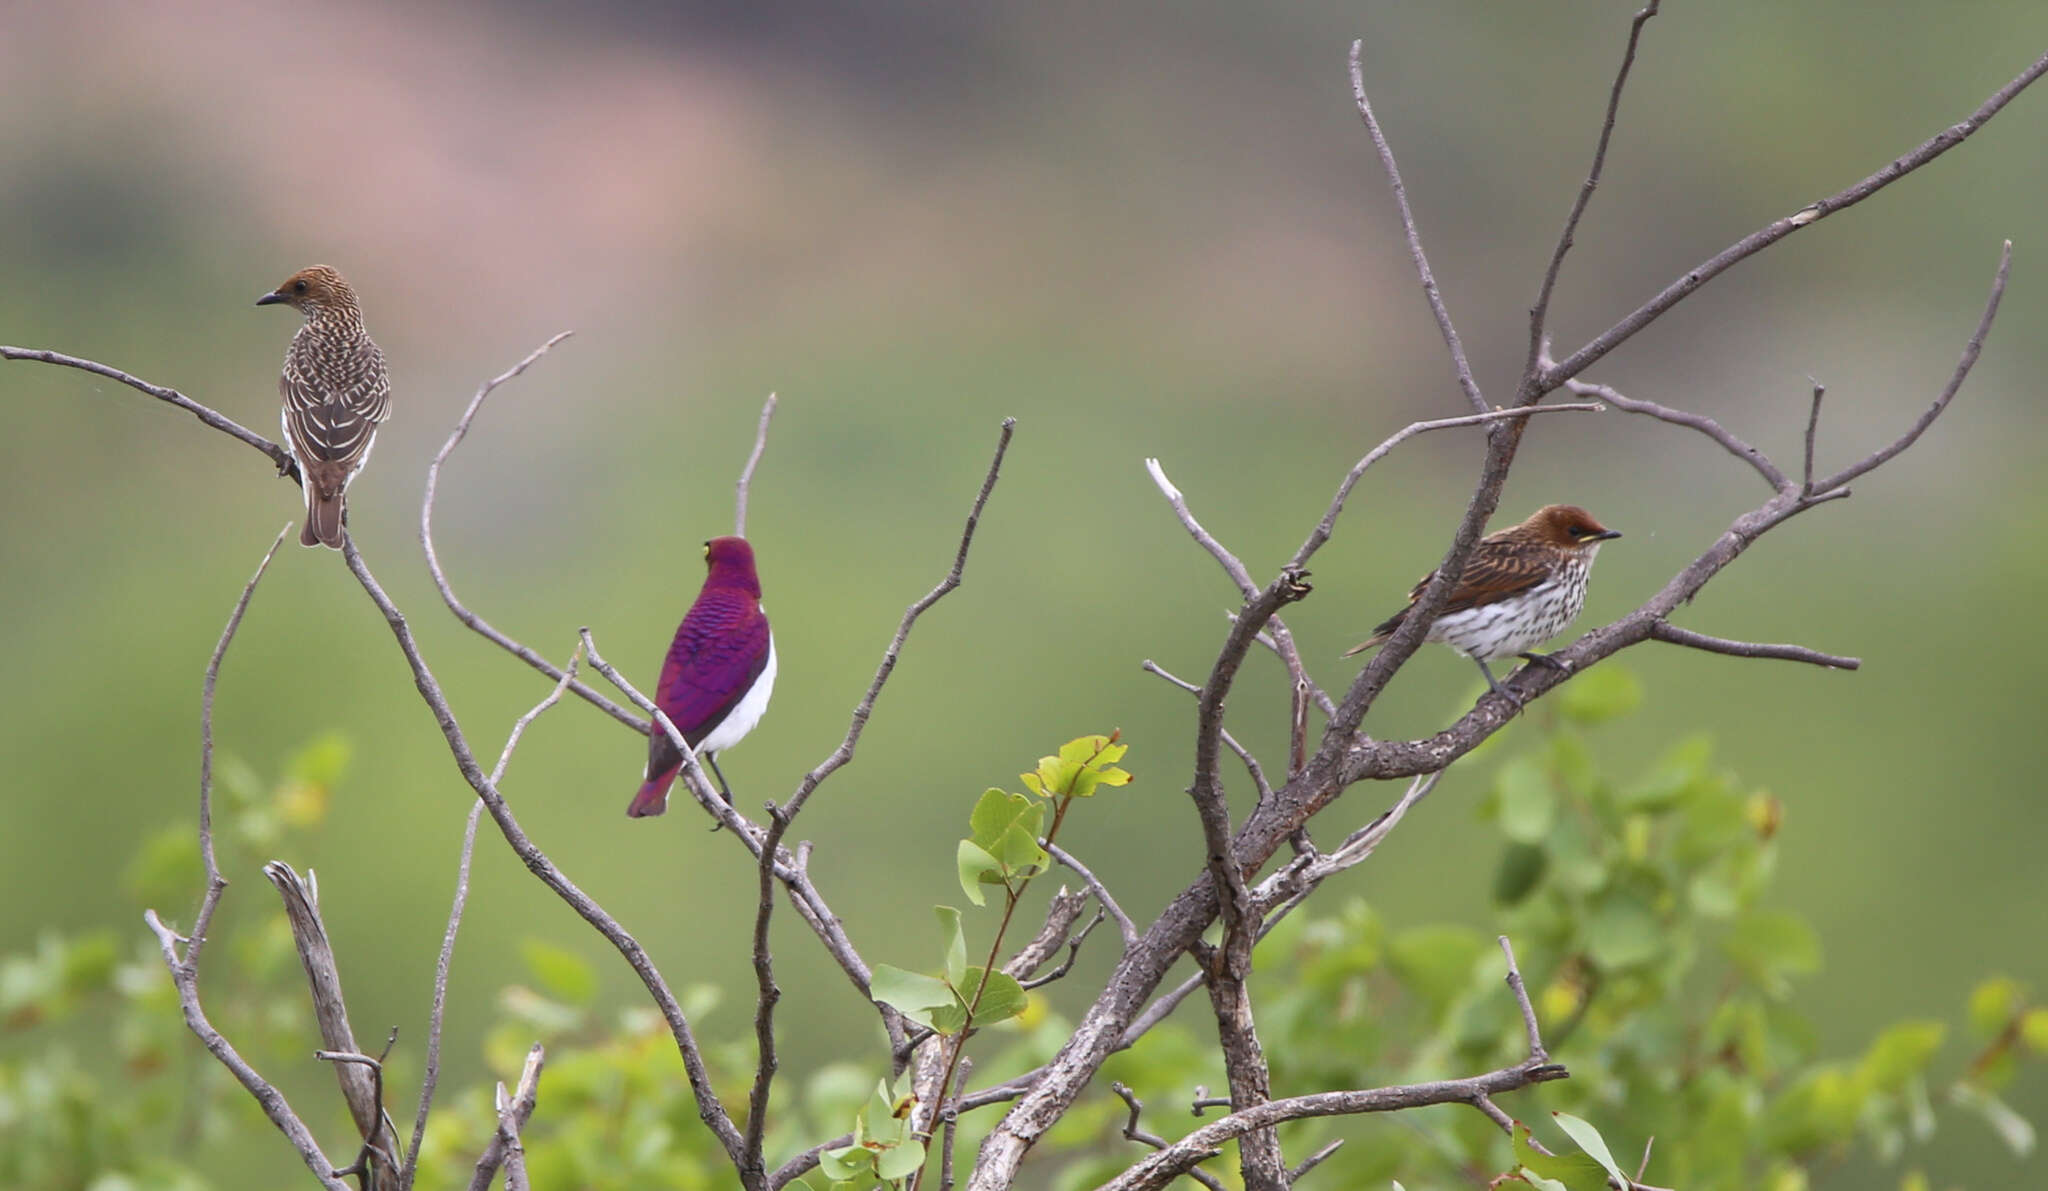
x=1146, y=230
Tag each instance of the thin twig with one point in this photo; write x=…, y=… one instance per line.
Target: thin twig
x=1642, y=316
x=1328, y=524
x=746, y=480
x=1415, y=252
x=692, y=772
x=267, y=1097
x=1149, y=1138
x=1971, y=351
x=1251, y=763
x=844, y=753
x=1062, y=910
x=226, y=425
x=1521, y=992
x=1313, y=1160
x=215, y=883
x=441, y=965
x=514, y=1114
x=753, y=1170
x=1539, y=313
x=476, y=623
x=1664, y=630
x=1067, y=964
x=1772, y=474
x=1812, y=432
x=1124, y=926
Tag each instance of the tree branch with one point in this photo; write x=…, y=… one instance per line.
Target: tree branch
x=226, y=425
x=441, y=966
x=1539, y=313
x=1760, y=462
x=844, y=753
x=1125, y=927
x=478, y=624
x=1664, y=630
x=753, y=1170
x=746, y=480
x=1429, y=289
x=512, y=1117
x=1147, y=1137
x=1642, y=316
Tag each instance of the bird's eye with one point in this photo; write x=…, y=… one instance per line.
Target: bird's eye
x=299, y=287
x=1583, y=531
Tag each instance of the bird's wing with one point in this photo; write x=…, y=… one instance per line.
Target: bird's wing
x=333, y=401
x=719, y=651
x=1493, y=574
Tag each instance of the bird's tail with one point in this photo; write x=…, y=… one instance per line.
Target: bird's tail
x=323, y=518
x=653, y=796
x=1372, y=642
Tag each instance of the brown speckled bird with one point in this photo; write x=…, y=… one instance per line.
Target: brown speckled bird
x=335, y=394
x=1521, y=587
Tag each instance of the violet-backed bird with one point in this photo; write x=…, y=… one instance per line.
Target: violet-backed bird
x=717, y=676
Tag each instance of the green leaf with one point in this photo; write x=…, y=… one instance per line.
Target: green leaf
x=1001, y=1000
x=1900, y=1053
x=956, y=943
x=1622, y=932
x=1818, y=1109
x=2034, y=1030
x=548, y=1017
x=1573, y=1172
x=1992, y=1004
x=1520, y=870
x=901, y=1161
x=846, y=1162
x=1018, y=852
x=564, y=974
x=1589, y=1140
x=1601, y=694
x=976, y=868
x=993, y=811
x=1528, y=801
x=1772, y=945
x=913, y=994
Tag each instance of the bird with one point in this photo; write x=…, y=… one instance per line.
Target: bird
x=336, y=393
x=1521, y=586
x=718, y=674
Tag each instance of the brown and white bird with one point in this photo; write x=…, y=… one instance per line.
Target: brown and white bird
x=335, y=394
x=1521, y=587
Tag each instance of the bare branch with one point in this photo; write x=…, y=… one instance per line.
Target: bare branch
x=1812, y=432
x=1067, y=964
x=1149, y=1138
x=1536, y=1051
x=709, y=1109
x=1125, y=927
x=1757, y=241
x=1328, y=524
x=1313, y=1160
x=359, y=1087
x=441, y=966
x=478, y=624
x=844, y=753
x=1429, y=289
x=1224, y=558
x=1060, y=915
x=1971, y=350
x=512, y=1117
x=228, y=426
x=1160, y=1169
x=753, y=1170
x=1762, y=464
x=1539, y=313
x=215, y=883
x=746, y=480
x=268, y=1098
x=1664, y=630
x=1251, y=763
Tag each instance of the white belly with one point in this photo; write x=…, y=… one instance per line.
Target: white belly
x=747, y=712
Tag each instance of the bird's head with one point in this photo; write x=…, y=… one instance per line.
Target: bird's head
x=313, y=291
x=731, y=563
x=1568, y=527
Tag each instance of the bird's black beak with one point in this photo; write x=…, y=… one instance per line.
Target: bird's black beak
x=270, y=299
x=1610, y=534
